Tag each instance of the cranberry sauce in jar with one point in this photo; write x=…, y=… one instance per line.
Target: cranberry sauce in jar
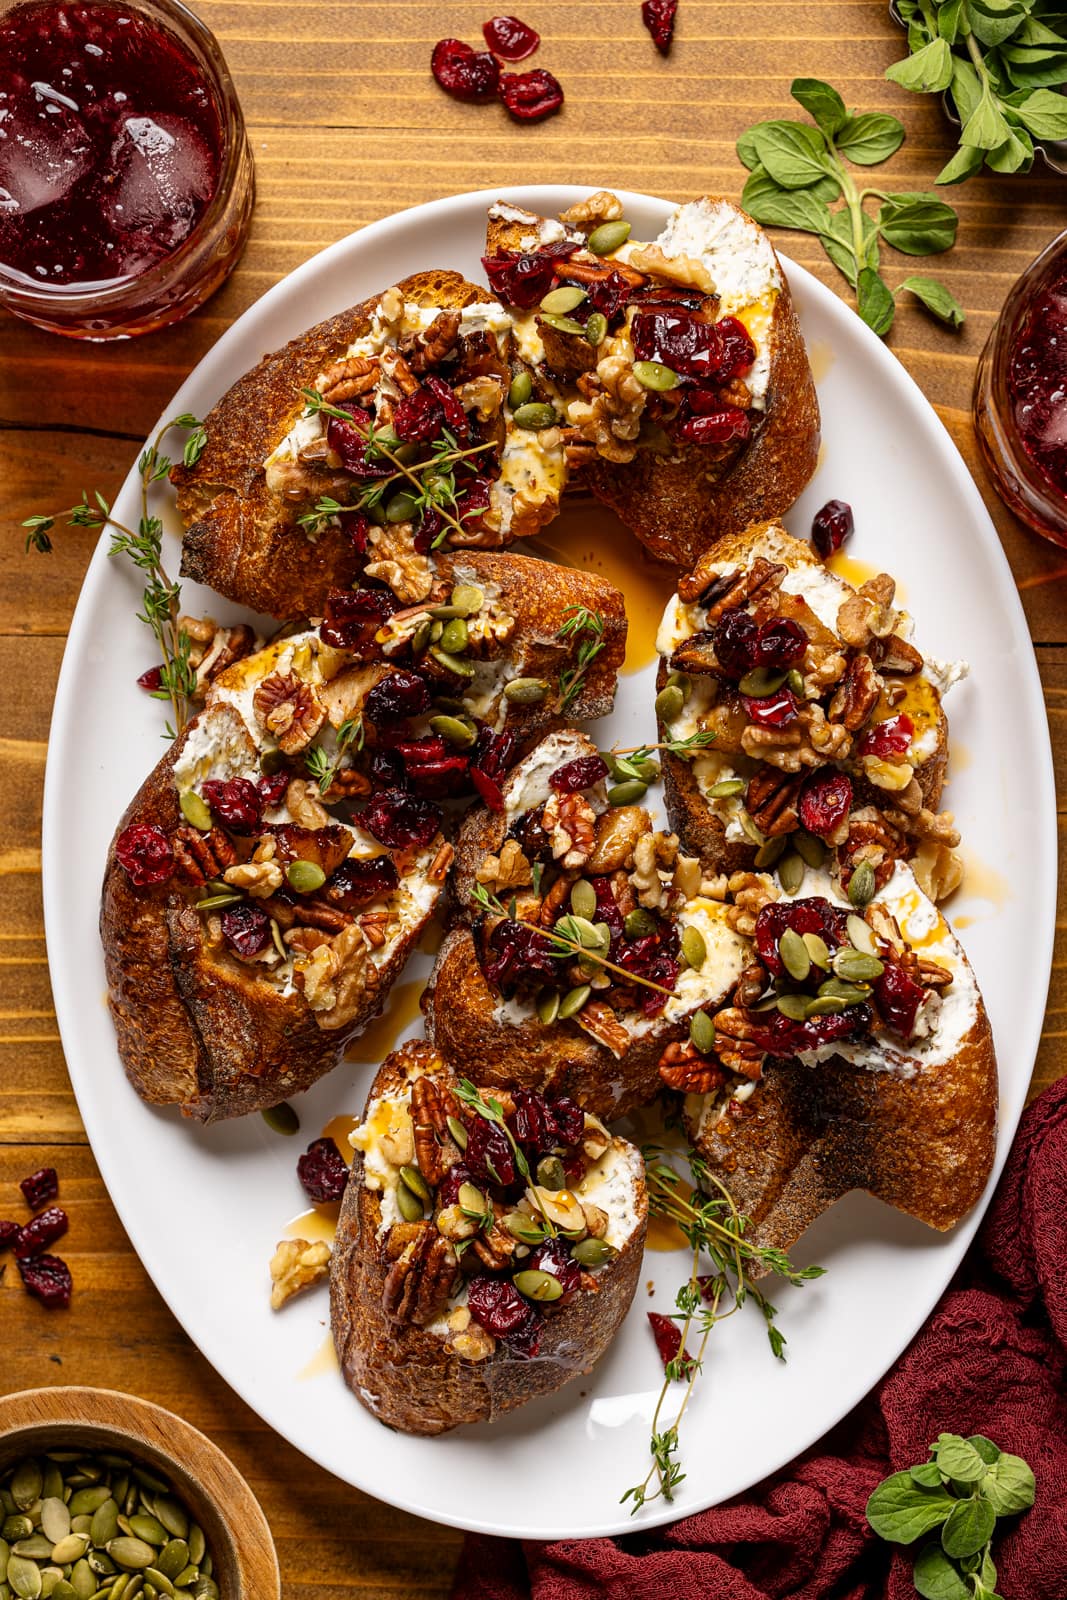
x=1037, y=381
x=110, y=142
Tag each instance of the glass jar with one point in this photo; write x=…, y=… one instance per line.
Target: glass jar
x=126, y=180
x=1020, y=395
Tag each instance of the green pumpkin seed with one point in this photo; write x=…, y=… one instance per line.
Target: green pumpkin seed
x=105, y=1523
x=861, y=934
x=24, y=1576
x=83, y=1581
x=794, y=954
x=305, y=876
x=639, y=923
x=5, y=1553
x=71, y=1549
x=455, y=639
x=217, y=902
x=64, y=1590
x=562, y=324
x=186, y=1577
x=159, y=1581
x=770, y=851
x=421, y=637
x=280, y=1119
x=548, y=1006
x=205, y=1588
x=471, y=1200
x=461, y=735
x=550, y=1173
x=749, y=829
x=195, y=810
x=271, y=762
x=468, y=599
x=132, y=1553
x=525, y=691
x=520, y=391
x=409, y=1205
x=566, y=298
x=148, y=1528
x=522, y=1227
x=583, y=899
x=197, y=1544
x=454, y=664
x=825, y=1006
x=458, y=1131
x=573, y=1001
x=670, y=703
x=791, y=873
x=593, y=1252
x=27, y=1481
x=726, y=787
x=862, y=885
x=81, y=1525
x=818, y=950
x=837, y=989
x=443, y=613
x=857, y=967
x=536, y=1285
x=627, y=794
x=16, y=1527
x=413, y=1179
x=52, y=1484
x=761, y=681
x=101, y=1563
x=810, y=849
x=401, y=507
x=654, y=375
x=702, y=1032
x=681, y=680
x=536, y=414
x=37, y=1547
x=596, y=328
x=606, y=239
x=694, y=948
x=55, y=1518
x=793, y=1006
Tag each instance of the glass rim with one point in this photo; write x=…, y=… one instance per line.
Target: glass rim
x=104, y=297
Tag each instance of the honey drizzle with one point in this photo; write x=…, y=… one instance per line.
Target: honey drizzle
x=376, y=1041
x=323, y=1361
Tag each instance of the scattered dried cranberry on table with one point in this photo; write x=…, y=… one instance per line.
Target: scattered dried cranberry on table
x=40, y=1187
x=44, y=1229
x=831, y=526
x=48, y=1280
x=658, y=17
x=531, y=96
x=510, y=38
x=464, y=73
x=9, y=1232
x=323, y=1171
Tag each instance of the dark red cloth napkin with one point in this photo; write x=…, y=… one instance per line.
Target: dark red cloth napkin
x=992, y=1359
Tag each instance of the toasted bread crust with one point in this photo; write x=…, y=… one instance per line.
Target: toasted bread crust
x=408, y=1377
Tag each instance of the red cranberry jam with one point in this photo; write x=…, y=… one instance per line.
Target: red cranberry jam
x=1037, y=382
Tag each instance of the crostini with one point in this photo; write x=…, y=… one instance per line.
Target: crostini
x=826, y=724
x=679, y=366
x=488, y=1247
x=855, y=1053
x=586, y=940
x=378, y=436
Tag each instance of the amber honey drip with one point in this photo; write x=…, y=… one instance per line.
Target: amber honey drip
x=821, y=356
x=589, y=536
x=323, y=1362
x=375, y=1043
x=338, y=1129
x=663, y=1234
x=320, y=1223
x=983, y=882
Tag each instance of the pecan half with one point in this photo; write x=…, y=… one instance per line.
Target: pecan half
x=287, y=708
x=771, y=801
x=600, y=1022
x=420, y=1280
x=735, y=1045
x=760, y=579
x=347, y=379
x=201, y=856
x=857, y=694
x=435, y=1149
x=895, y=655
x=434, y=343
x=682, y=1067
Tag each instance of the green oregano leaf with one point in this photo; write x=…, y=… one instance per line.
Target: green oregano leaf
x=746, y=145
x=773, y=206
x=958, y=1459
x=964, y=164
x=936, y=1578
x=948, y=20
x=901, y=1511
x=870, y=138
x=926, y=1474
x=918, y=224
x=1016, y=154
x=874, y=301
x=785, y=151
x=988, y=1451
x=928, y=71
x=986, y=127
x=1044, y=114
x=821, y=102
x=969, y=1528
x=1008, y=1485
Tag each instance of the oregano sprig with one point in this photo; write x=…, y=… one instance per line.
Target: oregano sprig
x=798, y=174
x=962, y=1489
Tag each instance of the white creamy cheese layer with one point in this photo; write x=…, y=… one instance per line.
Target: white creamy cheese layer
x=529, y=788
x=612, y=1184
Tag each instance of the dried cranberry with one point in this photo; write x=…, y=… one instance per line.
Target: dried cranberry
x=401, y=694
x=429, y=526
x=781, y=644
x=738, y=350
x=775, y=710
x=353, y=617
x=825, y=802
x=488, y=788
x=350, y=440
x=464, y=73
x=48, y=1280
x=554, y=1257
x=736, y=641
x=510, y=38
x=607, y=907
x=668, y=1336
x=40, y=1187
x=653, y=958
x=812, y=915
x=689, y=347
x=143, y=852
x=781, y=1036
x=322, y=1171
x=494, y=752
x=658, y=18
x=889, y=738
x=151, y=681
x=607, y=295
x=452, y=1182
x=569, y=1118
x=400, y=821
x=359, y=880
x=272, y=788
x=579, y=774
x=715, y=427
x=523, y=278
x=898, y=997
x=499, y=1308
x=530, y=96
x=246, y=929
x=418, y=417
x=455, y=418
x=236, y=802
x=518, y=953
x=532, y=1123
x=831, y=526
x=46, y=1227
x=489, y=1154
x=9, y=1232
x=356, y=525
x=441, y=778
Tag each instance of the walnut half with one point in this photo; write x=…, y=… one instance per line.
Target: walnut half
x=296, y=1265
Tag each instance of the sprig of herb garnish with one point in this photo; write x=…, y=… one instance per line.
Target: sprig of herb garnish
x=962, y=1489
x=320, y=765
x=1000, y=62
x=797, y=173
x=587, y=627
x=640, y=753
x=491, y=1109
x=143, y=546
x=715, y=1230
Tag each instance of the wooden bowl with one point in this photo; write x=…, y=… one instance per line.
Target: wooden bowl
x=207, y=1483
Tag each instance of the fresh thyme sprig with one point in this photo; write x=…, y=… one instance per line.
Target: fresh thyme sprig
x=676, y=747
x=714, y=1229
x=588, y=627
x=319, y=764
x=162, y=596
x=491, y=1109
x=563, y=944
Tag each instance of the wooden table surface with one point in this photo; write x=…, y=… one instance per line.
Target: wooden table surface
x=347, y=126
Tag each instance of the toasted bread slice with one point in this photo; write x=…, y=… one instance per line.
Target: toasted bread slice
x=253, y=532
x=401, y=1295
x=679, y=495
x=607, y=1054
x=750, y=784
x=911, y=1121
